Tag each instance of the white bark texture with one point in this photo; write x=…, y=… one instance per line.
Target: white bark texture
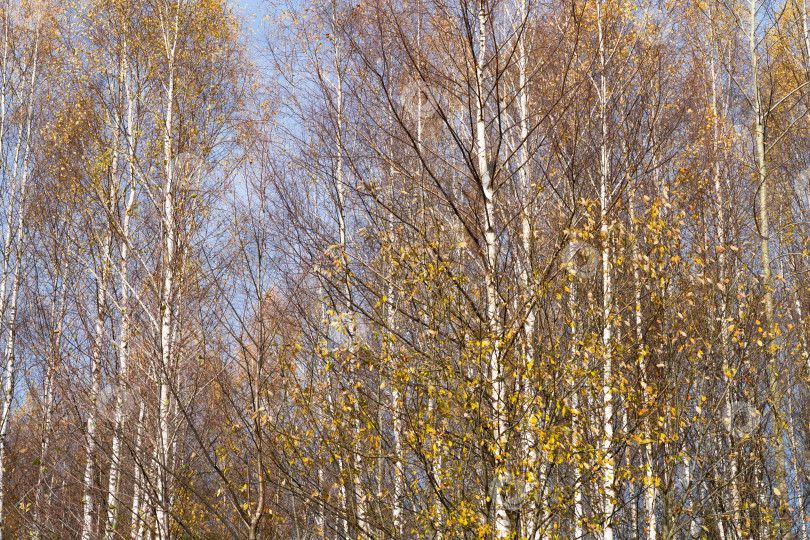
x=168, y=299
x=15, y=228
x=608, y=473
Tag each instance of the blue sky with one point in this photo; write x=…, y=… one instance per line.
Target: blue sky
x=253, y=11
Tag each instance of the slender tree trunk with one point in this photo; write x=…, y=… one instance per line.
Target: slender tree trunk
x=344, y=496
x=54, y=360
x=320, y=517
x=356, y=455
x=534, y=530
x=4, y=75
x=576, y=426
x=8, y=389
x=148, y=511
x=102, y=280
x=805, y=31
x=502, y=525
x=719, y=505
x=168, y=297
x=770, y=339
x=96, y=359
x=138, y=497
x=723, y=322
x=650, y=488
x=10, y=326
x=797, y=472
x=122, y=389
x=398, y=473
x=257, y=378
x=608, y=492
x=694, y=528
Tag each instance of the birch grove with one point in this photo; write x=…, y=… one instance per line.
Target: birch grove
x=404, y=270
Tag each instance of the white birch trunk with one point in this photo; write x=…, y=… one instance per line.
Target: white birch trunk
x=170, y=29
x=357, y=458
x=148, y=504
x=138, y=518
x=576, y=439
x=320, y=517
x=650, y=488
x=608, y=493
x=720, y=210
x=533, y=529
x=628, y=456
x=721, y=525
x=4, y=82
x=54, y=360
x=797, y=472
x=398, y=473
x=18, y=228
x=771, y=343
x=123, y=369
x=805, y=30
x=10, y=373
x=96, y=358
x=502, y=525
